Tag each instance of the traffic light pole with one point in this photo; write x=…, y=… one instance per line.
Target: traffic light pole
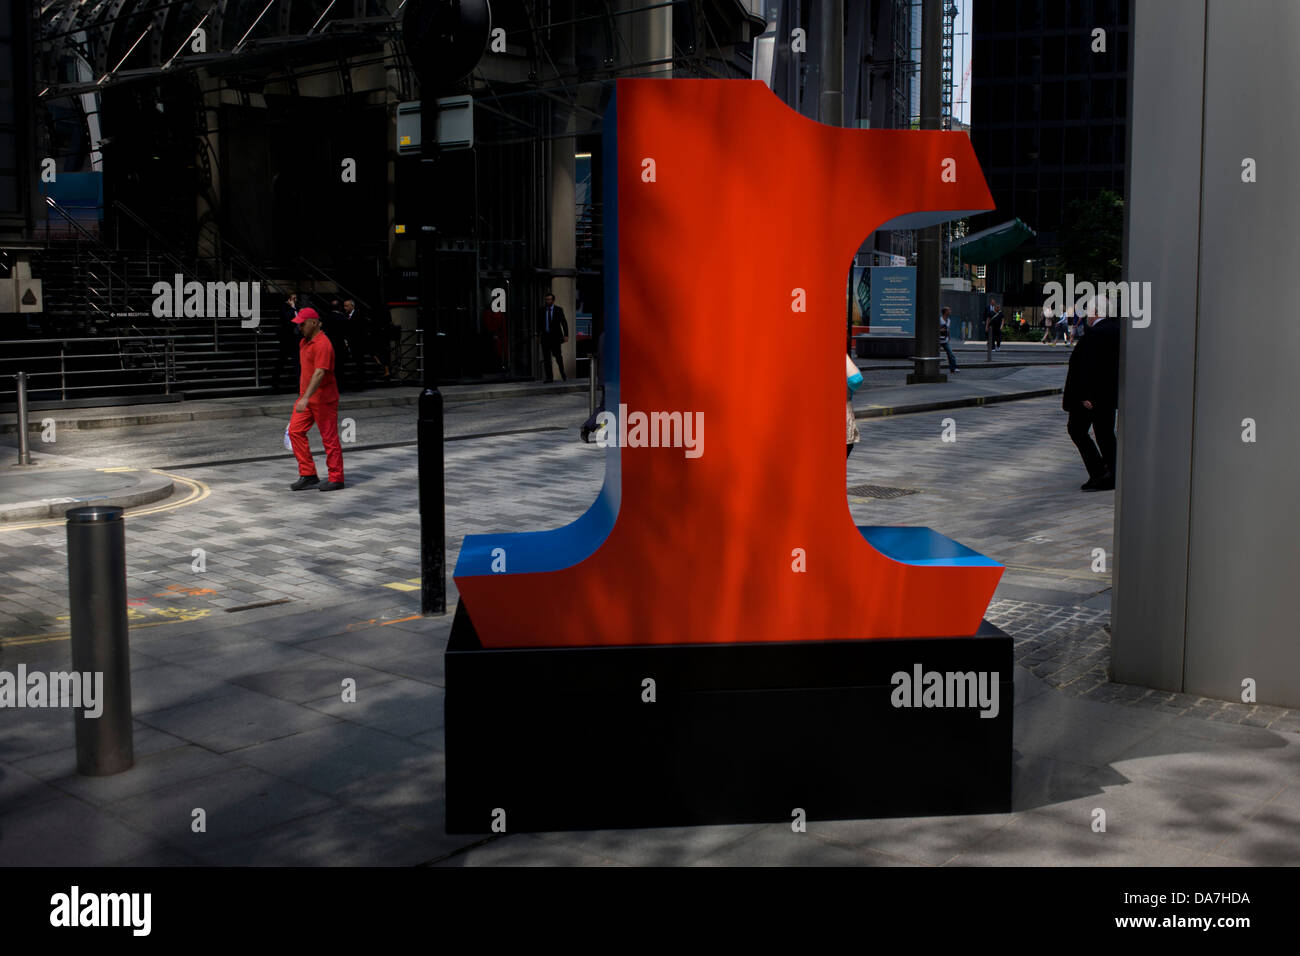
x=429, y=429
x=926, y=360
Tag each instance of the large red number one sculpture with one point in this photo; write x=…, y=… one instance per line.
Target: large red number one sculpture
x=730, y=225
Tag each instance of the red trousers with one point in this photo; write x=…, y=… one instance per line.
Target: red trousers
x=325, y=416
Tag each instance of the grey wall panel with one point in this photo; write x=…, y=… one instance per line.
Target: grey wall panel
x=1158, y=362
x=1244, y=573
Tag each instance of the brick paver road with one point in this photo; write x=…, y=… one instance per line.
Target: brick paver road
x=1006, y=486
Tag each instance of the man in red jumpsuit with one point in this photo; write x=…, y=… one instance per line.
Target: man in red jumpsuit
x=318, y=403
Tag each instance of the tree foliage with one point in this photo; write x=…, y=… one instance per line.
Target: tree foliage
x=1093, y=237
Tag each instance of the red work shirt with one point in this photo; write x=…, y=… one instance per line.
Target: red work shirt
x=314, y=354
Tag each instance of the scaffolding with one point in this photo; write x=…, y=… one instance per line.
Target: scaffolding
x=945, y=68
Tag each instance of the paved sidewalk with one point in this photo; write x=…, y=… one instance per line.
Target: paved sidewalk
x=50, y=486
x=238, y=672
x=59, y=482
x=246, y=721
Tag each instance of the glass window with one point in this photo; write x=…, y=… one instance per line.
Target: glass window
x=1101, y=145
x=1029, y=60
x=1053, y=56
x=1003, y=103
x=1053, y=103
x=1002, y=148
x=1076, y=145
x=1028, y=97
x=1103, y=99
x=1027, y=152
x=1031, y=14
x=1050, y=141
x=1076, y=100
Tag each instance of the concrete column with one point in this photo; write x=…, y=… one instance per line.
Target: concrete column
x=648, y=36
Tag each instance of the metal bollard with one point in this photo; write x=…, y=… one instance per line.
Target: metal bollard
x=591, y=384
x=24, y=446
x=97, y=598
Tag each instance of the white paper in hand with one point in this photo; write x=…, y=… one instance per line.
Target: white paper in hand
x=287, y=444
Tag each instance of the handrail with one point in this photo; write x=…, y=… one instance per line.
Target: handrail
x=63, y=340
x=237, y=254
x=157, y=236
x=105, y=252
x=49, y=201
x=334, y=282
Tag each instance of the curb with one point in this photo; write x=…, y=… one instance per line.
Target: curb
x=882, y=411
x=150, y=488
x=120, y=419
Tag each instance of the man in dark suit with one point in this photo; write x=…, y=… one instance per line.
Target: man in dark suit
x=287, y=339
x=553, y=331
x=1092, y=397
x=993, y=326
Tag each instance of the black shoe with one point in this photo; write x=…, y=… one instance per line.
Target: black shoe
x=305, y=481
x=584, y=434
x=1103, y=483
x=331, y=485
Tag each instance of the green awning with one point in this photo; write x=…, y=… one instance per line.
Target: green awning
x=989, y=245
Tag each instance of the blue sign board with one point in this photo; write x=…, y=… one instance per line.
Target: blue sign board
x=892, y=308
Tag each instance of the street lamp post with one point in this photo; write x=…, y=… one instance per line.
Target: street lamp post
x=444, y=40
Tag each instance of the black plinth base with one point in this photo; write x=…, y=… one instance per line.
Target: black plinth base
x=884, y=346
x=562, y=738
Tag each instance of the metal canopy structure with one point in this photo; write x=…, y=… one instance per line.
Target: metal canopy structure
x=989, y=245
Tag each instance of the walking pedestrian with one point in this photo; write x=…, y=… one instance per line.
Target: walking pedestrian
x=1061, y=329
x=993, y=325
x=356, y=336
x=851, y=434
x=1091, y=398
x=553, y=331
x=318, y=404
x=945, y=323
x=286, y=339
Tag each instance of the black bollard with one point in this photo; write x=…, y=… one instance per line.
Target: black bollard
x=24, y=449
x=97, y=599
x=433, y=516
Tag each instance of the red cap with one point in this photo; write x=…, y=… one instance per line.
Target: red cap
x=303, y=315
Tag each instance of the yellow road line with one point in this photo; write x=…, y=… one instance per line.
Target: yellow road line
x=25, y=639
x=410, y=584
x=197, y=491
